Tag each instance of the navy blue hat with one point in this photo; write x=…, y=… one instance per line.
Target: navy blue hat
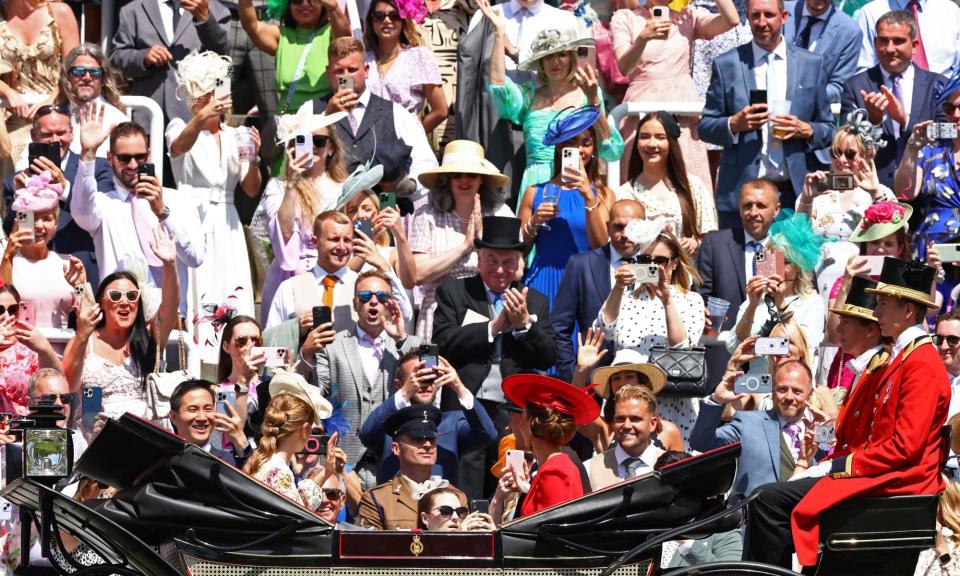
x=417, y=421
x=567, y=124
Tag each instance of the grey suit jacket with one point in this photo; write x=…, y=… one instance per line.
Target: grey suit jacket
x=340, y=375
x=713, y=548
x=141, y=28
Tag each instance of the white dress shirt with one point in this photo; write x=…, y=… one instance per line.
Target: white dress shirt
x=906, y=88
x=767, y=169
x=616, y=260
x=954, y=395
x=648, y=459
x=859, y=364
x=368, y=353
x=108, y=218
x=166, y=16
x=905, y=338
x=939, y=22
x=803, y=430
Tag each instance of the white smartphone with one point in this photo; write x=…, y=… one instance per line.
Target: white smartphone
x=276, y=356
x=824, y=434
x=569, y=162
x=646, y=273
x=948, y=252
x=660, y=12
x=345, y=83
x=222, y=88
x=25, y=221
x=303, y=146
x=753, y=384
x=874, y=264
x=515, y=460
x=772, y=346
x=587, y=56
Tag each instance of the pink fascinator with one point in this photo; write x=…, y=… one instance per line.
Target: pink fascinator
x=41, y=193
x=415, y=10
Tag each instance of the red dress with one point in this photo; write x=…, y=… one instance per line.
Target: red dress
x=889, y=429
x=557, y=481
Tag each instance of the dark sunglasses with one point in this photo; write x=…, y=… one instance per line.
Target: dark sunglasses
x=381, y=15
x=319, y=140
x=949, y=109
x=658, y=260
x=80, y=72
x=242, y=340
x=951, y=341
x=849, y=154
x=51, y=108
x=365, y=295
x=126, y=158
x=65, y=399
x=458, y=175
x=299, y=2
x=12, y=310
x=130, y=295
x=332, y=493
x=448, y=511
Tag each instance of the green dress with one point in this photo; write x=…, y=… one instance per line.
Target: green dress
x=313, y=82
x=513, y=103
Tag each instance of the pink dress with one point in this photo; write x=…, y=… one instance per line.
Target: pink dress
x=17, y=365
x=404, y=81
x=42, y=283
x=664, y=75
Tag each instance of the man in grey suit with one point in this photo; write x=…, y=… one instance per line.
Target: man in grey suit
x=770, y=440
x=355, y=368
x=745, y=84
x=153, y=35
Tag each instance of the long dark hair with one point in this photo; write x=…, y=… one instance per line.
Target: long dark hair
x=593, y=165
x=225, y=364
x=676, y=174
x=143, y=346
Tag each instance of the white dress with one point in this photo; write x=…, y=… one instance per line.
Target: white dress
x=666, y=203
x=224, y=277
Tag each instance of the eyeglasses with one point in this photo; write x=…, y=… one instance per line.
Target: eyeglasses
x=950, y=109
x=51, y=108
x=65, y=399
x=241, y=341
x=319, y=140
x=459, y=175
x=952, y=341
x=849, y=154
x=332, y=493
x=658, y=260
x=448, y=511
x=131, y=296
x=126, y=158
x=381, y=15
x=365, y=295
x=80, y=72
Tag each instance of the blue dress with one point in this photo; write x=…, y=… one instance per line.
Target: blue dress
x=940, y=205
x=567, y=236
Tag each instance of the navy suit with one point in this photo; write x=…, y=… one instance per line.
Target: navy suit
x=838, y=44
x=583, y=288
x=922, y=108
x=460, y=431
x=722, y=268
x=731, y=81
x=70, y=238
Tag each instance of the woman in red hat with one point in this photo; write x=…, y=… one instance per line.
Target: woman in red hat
x=552, y=410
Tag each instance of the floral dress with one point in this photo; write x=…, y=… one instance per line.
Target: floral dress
x=403, y=83
x=276, y=474
x=17, y=365
x=940, y=199
x=666, y=203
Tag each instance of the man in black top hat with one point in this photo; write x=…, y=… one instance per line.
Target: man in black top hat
x=857, y=330
x=393, y=505
x=489, y=327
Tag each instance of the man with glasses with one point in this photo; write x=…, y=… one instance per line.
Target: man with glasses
x=123, y=215
x=50, y=385
x=947, y=339
x=356, y=366
x=465, y=430
x=87, y=76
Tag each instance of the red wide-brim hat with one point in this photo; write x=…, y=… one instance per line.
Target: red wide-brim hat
x=548, y=392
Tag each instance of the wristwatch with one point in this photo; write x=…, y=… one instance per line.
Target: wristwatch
x=164, y=213
x=945, y=558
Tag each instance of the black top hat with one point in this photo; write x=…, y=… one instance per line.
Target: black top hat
x=416, y=420
x=500, y=232
x=859, y=302
x=907, y=280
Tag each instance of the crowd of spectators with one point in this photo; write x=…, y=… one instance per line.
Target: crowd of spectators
x=390, y=223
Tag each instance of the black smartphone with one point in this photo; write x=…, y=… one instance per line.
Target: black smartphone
x=758, y=97
x=146, y=169
x=481, y=506
x=316, y=444
x=364, y=226
x=49, y=150
x=387, y=200
x=322, y=315
x=429, y=353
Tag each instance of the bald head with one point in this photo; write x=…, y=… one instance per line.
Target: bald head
x=621, y=213
x=759, y=205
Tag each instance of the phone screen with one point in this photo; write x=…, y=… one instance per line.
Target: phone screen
x=322, y=315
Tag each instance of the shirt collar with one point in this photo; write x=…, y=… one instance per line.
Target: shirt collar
x=803, y=427
x=905, y=338
x=364, y=99
x=647, y=457
x=320, y=273
x=363, y=336
x=121, y=190
x=805, y=13
x=905, y=76
x=616, y=256
x=515, y=7
x=860, y=363
x=759, y=54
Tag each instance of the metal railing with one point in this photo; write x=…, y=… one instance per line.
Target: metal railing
x=155, y=128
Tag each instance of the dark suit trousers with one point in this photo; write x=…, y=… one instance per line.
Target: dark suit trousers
x=768, y=538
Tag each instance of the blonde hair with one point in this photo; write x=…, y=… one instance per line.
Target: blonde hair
x=796, y=336
x=847, y=132
x=307, y=199
x=353, y=206
x=685, y=275
x=542, y=73
x=285, y=416
x=949, y=511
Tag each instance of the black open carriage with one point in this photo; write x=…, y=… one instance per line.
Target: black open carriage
x=209, y=519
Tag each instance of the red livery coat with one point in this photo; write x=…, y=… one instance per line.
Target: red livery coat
x=889, y=429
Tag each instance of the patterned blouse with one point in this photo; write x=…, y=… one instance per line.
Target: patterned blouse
x=404, y=81
x=276, y=474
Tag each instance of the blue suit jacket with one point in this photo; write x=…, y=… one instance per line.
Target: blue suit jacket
x=922, y=108
x=583, y=288
x=839, y=45
x=731, y=80
x=460, y=431
x=759, y=435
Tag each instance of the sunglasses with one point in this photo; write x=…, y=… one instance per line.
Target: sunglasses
x=65, y=399
x=126, y=158
x=332, y=493
x=849, y=154
x=80, y=72
x=310, y=2
x=952, y=341
x=381, y=15
x=131, y=296
x=241, y=341
x=365, y=295
x=319, y=140
x=448, y=511
x=458, y=175
x=12, y=310
x=658, y=260
x=51, y=108
x=950, y=109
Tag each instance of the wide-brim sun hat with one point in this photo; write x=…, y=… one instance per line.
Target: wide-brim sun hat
x=552, y=41
x=880, y=220
x=547, y=392
x=464, y=156
x=304, y=123
x=628, y=360
x=286, y=382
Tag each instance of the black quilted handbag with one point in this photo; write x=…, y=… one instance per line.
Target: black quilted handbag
x=686, y=370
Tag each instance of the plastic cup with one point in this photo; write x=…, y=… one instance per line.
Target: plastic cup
x=717, y=311
x=779, y=108
x=245, y=144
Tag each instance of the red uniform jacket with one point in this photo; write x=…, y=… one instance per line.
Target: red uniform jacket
x=889, y=431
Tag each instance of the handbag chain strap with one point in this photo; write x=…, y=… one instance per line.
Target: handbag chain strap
x=181, y=347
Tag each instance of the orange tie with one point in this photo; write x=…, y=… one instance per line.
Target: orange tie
x=329, y=281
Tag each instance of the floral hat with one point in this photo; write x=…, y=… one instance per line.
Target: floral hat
x=198, y=73
x=40, y=194
x=415, y=10
x=551, y=41
x=871, y=134
x=880, y=220
x=793, y=235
